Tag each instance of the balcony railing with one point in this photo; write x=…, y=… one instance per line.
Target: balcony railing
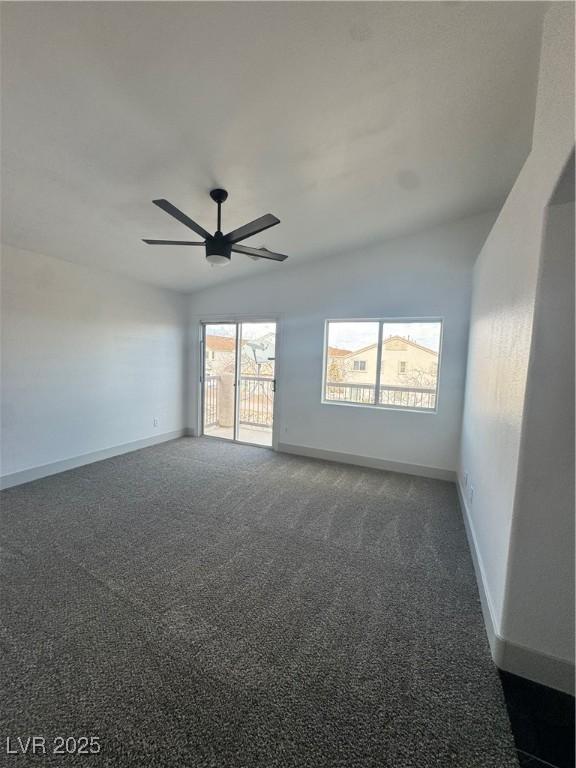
x=211, y=384
x=255, y=400
x=422, y=398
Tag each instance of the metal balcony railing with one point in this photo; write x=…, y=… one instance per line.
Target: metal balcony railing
x=255, y=400
x=423, y=398
x=211, y=384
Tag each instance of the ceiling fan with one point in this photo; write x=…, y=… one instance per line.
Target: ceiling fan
x=219, y=247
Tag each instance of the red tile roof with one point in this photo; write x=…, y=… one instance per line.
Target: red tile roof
x=221, y=343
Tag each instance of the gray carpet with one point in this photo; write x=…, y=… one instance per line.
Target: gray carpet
x=204, y=604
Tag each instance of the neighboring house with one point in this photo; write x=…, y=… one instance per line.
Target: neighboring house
x=335, y=352
x=404, y=363
x=220, y=355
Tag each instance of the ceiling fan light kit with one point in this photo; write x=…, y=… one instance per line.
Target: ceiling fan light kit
x=219, y=247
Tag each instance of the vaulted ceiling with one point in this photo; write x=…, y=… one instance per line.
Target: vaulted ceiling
x=352, y=122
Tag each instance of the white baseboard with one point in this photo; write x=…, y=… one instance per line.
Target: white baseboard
x=535, y=665
x=35, y=473
x=367, y=461
x=510, y=657
x=488, y=611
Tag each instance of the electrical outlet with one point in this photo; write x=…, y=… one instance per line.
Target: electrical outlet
x=155, y=421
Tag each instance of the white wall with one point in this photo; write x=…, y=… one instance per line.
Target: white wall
x=88, y=360
x=424, y=275
x=498, y=439
x=539, y=603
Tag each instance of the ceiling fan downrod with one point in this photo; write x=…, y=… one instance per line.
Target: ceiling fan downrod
x=219, y=196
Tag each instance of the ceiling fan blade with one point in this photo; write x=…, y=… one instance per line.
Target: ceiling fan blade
x=259, y=253
x=182, y=218
x=171, y=242
x=258, y=225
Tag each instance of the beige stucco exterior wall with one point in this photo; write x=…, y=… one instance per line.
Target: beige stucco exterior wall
x=421, y=365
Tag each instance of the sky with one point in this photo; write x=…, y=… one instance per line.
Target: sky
x=359, y=334
x=347, y=335
x=249, y=330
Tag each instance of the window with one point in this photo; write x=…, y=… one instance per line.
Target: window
x=346, y=381
x=398, y=368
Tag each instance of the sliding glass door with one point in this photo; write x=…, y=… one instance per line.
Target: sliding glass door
x=219, y=377
x=238, y=381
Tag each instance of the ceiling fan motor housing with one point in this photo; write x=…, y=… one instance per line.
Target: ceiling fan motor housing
x=218, y=249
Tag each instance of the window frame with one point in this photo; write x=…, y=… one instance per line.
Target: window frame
x=381, y=322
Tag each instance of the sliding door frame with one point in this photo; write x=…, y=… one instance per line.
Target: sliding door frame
x=238, y=320
x=203, y=376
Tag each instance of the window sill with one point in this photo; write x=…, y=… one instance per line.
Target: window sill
x=374, y=407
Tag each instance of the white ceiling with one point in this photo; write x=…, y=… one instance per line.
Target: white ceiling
x=352, y=122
